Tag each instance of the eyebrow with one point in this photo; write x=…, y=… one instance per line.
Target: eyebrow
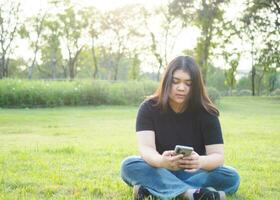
x=181, y=79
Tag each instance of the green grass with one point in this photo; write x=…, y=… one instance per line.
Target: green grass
x=75, y=152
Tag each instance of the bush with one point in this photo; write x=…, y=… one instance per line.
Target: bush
x=213, y=94
x=276, y=92
x=130, y=92
x=38, y=93
x=244, y=93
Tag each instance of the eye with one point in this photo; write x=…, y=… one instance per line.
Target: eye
x=188, y=83
x=175, y=81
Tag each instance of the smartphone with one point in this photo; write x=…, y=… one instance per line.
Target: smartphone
x=185, y=150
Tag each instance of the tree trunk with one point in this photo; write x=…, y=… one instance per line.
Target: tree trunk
x=64, y=71
x=158, y=72
x=208, y=29
x=204, y=69
x=116, y=68
x=30, y=72
x=53, y=67
x=95, y=62
x=7, y=68
x=253, y=79
x=260, y=82
x=72, y=64
x=272, y=81
x=71, y=69
x=2, y=66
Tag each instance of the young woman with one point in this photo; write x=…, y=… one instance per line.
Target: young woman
x=179, y=113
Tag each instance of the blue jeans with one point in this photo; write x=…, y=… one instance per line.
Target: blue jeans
x=167, y=184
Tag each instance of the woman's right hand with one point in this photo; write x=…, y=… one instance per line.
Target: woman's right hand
x=170, y=160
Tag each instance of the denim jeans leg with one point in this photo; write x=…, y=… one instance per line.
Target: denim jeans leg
x=159, y=181
x=224, y=178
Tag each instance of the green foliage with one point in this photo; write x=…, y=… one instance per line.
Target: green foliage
x=216, y=79
x=276, y=92
x=205, y=15
x=233, y=61
x=9, y=22
x=213, y=94
x=244, y=83
x=244, y=93
x=134, y=70
x=21, y=93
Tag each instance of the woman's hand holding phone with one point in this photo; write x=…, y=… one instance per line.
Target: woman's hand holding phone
x=174, y=161
x=170, y=160
x=190, y=163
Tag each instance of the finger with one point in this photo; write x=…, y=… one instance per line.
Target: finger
x=167, y=153
x=188, y=166
x=187, y=158
x=177, y=157
x=173, y=153
x=183, y=162
x=189, y=162
x=191, y=157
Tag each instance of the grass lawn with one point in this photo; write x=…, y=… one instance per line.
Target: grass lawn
x=75, y=152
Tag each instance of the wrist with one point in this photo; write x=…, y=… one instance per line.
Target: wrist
x=161, y=162
x=202, y=162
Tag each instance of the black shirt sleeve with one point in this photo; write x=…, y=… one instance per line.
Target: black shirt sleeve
x=144, y=120
x=211, y=130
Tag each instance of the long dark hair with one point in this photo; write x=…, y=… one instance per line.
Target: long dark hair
x=198, y=95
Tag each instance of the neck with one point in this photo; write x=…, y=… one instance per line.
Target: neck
x=177, y=108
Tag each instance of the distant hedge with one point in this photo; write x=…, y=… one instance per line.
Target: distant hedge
x=41, y=93
x=38, y=93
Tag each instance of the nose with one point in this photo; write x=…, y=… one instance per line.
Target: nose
x=181, y=87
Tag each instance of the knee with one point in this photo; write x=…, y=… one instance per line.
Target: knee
x=233, y=178
x=128, y=168
x=128, y=162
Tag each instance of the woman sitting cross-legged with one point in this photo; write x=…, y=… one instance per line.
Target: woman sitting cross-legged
x=179, y=113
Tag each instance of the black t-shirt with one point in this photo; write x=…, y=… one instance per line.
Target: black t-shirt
x=186, y=128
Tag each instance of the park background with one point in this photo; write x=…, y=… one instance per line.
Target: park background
x=73, y=73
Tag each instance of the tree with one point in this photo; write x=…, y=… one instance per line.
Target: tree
x=93, y=19
x=9, y=24
x=162, y=41
x=72, y=26
x=134, y=70
x=268, y=62
x=17, y=68
x=85, y=62
x=205, y=15
x=35, y=26
x=216, y=78
x=233, y=61
x=261, y=22
x=121, y=26
x=51, y=55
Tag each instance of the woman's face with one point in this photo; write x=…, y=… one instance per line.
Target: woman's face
x=180, y=89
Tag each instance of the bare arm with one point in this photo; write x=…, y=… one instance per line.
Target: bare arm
x=147, y=148
x=214, y=157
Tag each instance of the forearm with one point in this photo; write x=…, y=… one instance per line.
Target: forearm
x=212, y=161
x=151, y=156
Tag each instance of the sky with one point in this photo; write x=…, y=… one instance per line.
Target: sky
x=187, y=39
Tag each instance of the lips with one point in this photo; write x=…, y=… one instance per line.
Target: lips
x=181, y=96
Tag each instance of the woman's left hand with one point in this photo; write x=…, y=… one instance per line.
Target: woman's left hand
x=191, y=163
